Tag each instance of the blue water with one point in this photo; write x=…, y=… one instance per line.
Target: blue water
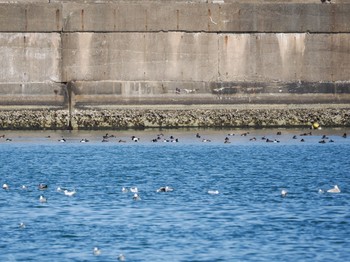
x=247, y=221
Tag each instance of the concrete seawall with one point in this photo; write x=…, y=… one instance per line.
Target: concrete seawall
x=94, y=54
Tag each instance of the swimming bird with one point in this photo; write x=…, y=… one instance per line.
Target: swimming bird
x=8, y=139
x=135, y=139
x=136, y=197
x=84, y=140
x=213, y=192
x=42, y=199
x=335, y=189
x=206, y=140
x=164, y=189
x=320, y=191
x=62, y=140
x=198, y=135
x=42, y=186
x=134, y=190
x=284, y=193
x=322, y=141
x=97, y=251
x=69, y=193
x=5, y=187
x=121, y=257
x=294, y=137
x=22, y=225
x=125, y=190
x=23, y=187
x=344, y=135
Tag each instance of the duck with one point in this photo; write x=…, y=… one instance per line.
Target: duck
x=164, y=189
x=5, y=187
x=135, y=139
x=335, y=189
x=125, y=190
x=344, y=135
x=62, y=140
x=84, y=140
x=42, y=186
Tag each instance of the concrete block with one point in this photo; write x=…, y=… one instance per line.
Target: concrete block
x=30, y=57
x=140, y=57
x=30, y=17
x=284, y=57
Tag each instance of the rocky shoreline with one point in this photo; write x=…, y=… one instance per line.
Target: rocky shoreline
x=138, y=118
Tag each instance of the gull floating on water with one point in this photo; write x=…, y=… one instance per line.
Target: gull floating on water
x=121, y=257
x=97, y=251
x=213, y=192
x=5, y=186
x=136, y=197
x=320, y=191
x=22, y=225
x=23, y=187
x=42, y=199
x=335, y=189
x=134, y=190
x=69, y=193
x=125, y=190
x=284, y=193
x=164, y=189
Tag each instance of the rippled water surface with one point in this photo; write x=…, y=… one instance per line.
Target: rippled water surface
x=247, y=221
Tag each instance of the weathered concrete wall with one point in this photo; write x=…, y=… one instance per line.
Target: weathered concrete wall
x=30, y=69
x=125, y=52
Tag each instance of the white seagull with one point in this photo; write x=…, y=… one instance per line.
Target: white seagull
x=335, y=189
x=5, y=186
x=136, y=197
x=42, y=199
x=134, y=190
x=213, y=192
x=284, y=193
x=97, y=251
x=69, y=193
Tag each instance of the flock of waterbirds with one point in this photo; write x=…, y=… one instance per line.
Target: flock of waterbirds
x=70, y=193
x=198, y=137
x=171, y=139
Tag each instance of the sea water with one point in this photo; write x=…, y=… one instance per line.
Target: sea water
x=243, y=218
